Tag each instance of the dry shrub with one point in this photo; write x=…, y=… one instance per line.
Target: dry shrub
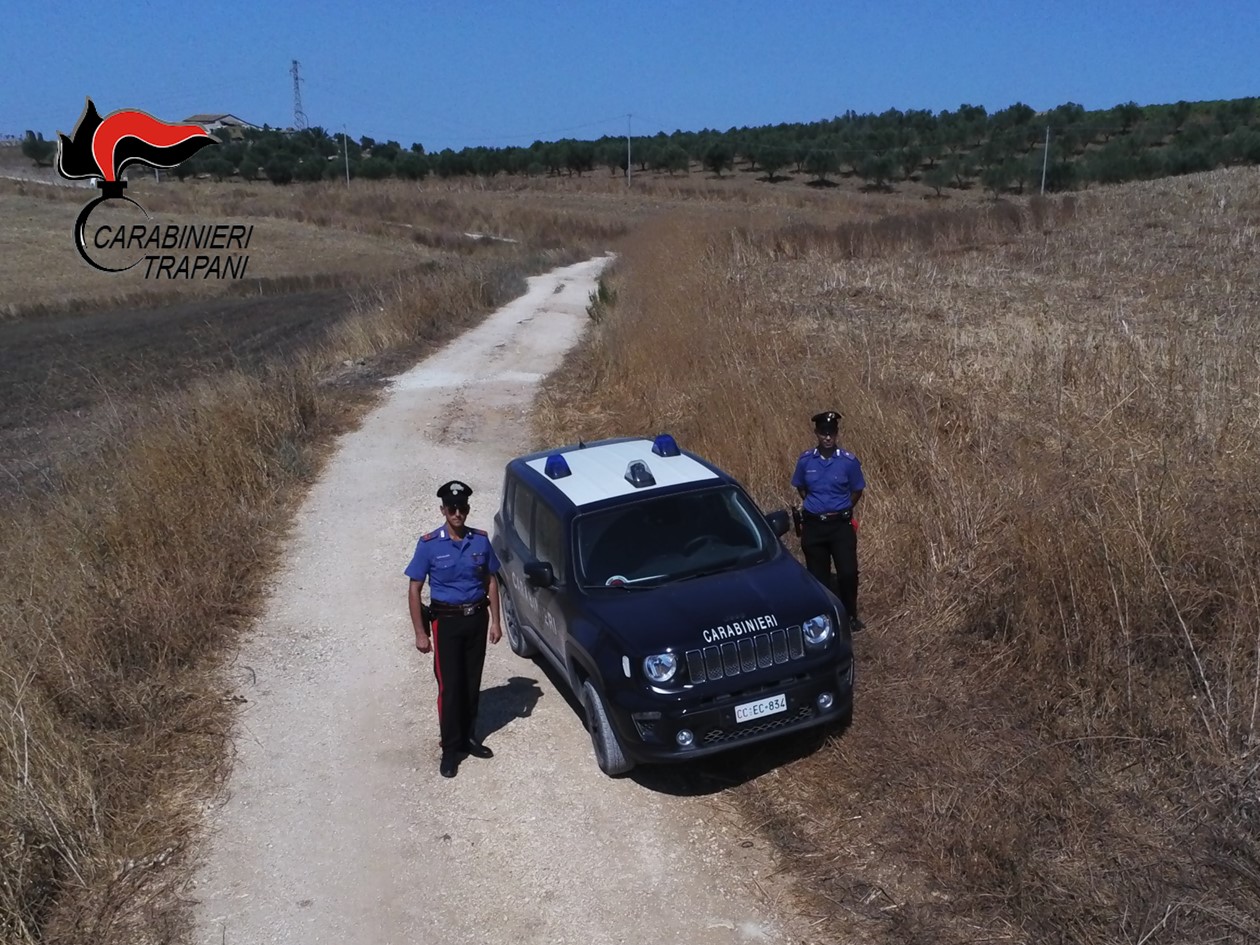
x=116, y=593
x=1056, y=405
x=121, y=590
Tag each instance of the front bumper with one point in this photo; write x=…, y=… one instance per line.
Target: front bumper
x=714, y=727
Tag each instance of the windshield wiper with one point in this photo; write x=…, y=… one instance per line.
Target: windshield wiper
x=706, y=573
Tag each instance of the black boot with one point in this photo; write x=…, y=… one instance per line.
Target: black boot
x=450, y=764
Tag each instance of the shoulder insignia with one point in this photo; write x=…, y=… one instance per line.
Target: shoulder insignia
x=848, y=454
x=478, y=531
x=433, y=534
x=807, y=453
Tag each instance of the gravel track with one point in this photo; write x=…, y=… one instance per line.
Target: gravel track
x=336, y=826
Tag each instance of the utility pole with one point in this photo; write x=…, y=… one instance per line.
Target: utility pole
x=299, y=116
x=345, y=150
x=627, y=150
x=1045, y=161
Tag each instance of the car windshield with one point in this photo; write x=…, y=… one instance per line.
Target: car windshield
x=671, y=538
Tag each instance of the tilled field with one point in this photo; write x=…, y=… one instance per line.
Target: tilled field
x=66, y=380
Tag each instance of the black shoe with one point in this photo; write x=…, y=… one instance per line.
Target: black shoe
x=450, y=764
x=855, y=625
x=478, y=750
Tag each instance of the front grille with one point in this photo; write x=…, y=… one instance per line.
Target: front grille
x=716, y=736
x=745, y=655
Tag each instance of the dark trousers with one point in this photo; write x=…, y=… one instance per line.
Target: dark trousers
x=825, y=542
x=459, y=653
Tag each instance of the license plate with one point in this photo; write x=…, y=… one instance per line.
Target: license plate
x=755, y=710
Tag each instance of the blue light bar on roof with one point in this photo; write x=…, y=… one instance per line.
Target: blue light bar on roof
x=556, y=467
x=664, y=445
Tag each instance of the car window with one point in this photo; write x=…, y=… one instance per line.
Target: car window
x=673, y=537
x=549, y=540
x=509, y=497
x=523, y=516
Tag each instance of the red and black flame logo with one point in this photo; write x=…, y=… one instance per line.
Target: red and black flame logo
x=103, y=147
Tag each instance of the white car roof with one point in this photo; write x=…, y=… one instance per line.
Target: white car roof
x=598, y=472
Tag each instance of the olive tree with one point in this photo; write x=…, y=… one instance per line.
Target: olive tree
x=38, y=150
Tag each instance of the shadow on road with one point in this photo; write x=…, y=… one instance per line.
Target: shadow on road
x=716, y=773
x=732, y=768
x=503, y=704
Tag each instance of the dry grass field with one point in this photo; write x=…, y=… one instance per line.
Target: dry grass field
x=151, y=457
x=1056, y=403
x=1057, y=406
x=43, y=273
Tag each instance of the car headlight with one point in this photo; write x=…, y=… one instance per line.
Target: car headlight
x=818, y=630
x=660, y=667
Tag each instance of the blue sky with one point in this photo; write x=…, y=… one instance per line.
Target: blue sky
x=507, y=73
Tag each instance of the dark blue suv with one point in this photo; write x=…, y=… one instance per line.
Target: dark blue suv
x=652, y=583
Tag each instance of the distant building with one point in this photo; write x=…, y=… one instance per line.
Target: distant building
x=236, y=126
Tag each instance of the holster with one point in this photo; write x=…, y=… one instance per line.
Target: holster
x=426, y=618
x=796, y=520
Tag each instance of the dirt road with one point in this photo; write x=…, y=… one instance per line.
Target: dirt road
x=338, y=827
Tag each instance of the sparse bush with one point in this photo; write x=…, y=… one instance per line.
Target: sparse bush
x=40, y=152
x=280, y=171
x=310, y=170
x=602, y=299
x=940, y=177
x=248, y=169
x=375, y=168
x=820, y=163
x=719, y=156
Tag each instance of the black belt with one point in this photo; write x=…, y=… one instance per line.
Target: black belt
x=844, y=515
x=443, y=609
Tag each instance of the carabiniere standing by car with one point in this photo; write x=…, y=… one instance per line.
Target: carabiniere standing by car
x=464, y=612
x=829, y=480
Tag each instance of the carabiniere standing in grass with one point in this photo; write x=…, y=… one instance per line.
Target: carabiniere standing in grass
x=463, y=613
x=829, y=480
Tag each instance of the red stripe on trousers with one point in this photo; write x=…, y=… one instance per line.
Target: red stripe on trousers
x=437, y=670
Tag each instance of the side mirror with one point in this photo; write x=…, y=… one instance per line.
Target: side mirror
x=540, y=574
x=779, y=522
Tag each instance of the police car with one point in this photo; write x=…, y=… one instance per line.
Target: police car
x=655, y=586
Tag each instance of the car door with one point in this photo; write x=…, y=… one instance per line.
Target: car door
x=531, y=602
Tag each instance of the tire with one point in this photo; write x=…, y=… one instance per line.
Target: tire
x=608, y=754
x=521, y=645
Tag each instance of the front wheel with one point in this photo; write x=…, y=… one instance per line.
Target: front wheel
x=521, y=645
x=608, y=754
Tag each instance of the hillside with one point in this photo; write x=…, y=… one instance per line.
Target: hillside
x=1011, y=151
x=1055, y=403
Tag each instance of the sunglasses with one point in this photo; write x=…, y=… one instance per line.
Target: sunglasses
x=460, y=507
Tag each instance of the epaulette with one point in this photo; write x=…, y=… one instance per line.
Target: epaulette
x=806, y=453
x=477, y=531
x=848, y=454
x=429, y=537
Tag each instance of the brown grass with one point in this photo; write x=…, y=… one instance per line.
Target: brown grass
x=42, y=273
x=122, y=589
x=1056, y=404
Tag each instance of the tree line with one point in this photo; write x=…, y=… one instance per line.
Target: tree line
x=1003, y=151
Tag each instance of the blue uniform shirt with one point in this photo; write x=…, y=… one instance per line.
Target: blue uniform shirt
x=829, y=483
x=458, y=571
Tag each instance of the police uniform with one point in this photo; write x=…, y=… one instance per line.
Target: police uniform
x=459, y=572
x=827, y=532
